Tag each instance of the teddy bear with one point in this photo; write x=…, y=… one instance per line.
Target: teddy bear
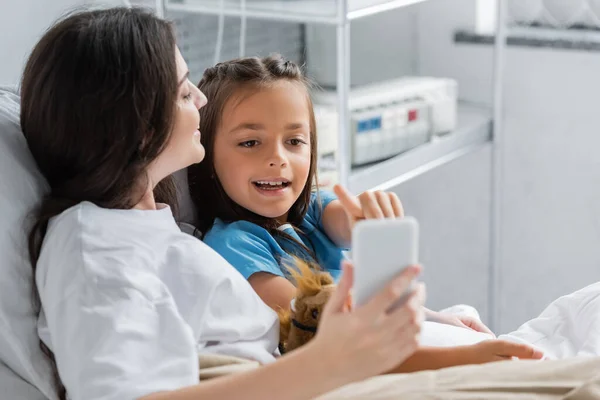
x=299, y=323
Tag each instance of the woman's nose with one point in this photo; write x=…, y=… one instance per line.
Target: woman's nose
x=200, y=100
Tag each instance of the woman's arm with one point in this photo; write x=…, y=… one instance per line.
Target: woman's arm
x=293, y=377
x=349, y=346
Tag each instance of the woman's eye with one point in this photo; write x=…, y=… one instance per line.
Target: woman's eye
x=188, y=96
x=249, y=143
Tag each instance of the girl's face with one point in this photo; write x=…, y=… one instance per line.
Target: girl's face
x=262, y=148
x=184, y=147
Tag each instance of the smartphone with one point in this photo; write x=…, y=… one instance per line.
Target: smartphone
x=381, y=249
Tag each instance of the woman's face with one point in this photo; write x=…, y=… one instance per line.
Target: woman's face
x=184, y=147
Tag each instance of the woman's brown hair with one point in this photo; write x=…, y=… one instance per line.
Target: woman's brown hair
x=98, y=97
x=220, y=83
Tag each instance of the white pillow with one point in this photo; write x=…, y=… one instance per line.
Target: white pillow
x=13, y=387
x=21, y=188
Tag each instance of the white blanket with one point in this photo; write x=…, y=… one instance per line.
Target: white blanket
x=568, y=327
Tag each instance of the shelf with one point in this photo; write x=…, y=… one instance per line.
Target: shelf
x=298, y=11
x=473, y=132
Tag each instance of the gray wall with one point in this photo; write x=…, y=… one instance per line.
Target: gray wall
x=26, y=21
x=551, y=175
x=383, y=46
x=452, y=202
x=23, y=22
x=452, y=205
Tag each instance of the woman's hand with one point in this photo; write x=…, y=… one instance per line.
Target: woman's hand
x=375, y=337
x=462, y=321
x=369, y=205
x=499, y=350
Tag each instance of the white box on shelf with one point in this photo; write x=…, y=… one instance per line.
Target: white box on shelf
x=327, y=124
x=388, y=118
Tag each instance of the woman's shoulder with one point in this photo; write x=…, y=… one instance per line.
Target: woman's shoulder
x=64, y=228
x=105, y=244
x=87, y=213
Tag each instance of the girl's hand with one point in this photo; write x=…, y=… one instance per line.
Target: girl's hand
x=462, y=321
x=373, y=338
x=369, y=205
x=499, y=350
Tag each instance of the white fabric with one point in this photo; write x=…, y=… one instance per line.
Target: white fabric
x=129, y=301
x=568, y=327
x=435, y=334
x=21, y=187
x=462, y=309
x=14, y=387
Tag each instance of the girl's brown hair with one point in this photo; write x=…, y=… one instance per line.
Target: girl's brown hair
x=219, y=84
x=98, y=98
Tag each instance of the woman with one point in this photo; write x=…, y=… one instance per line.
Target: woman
x=127, y=300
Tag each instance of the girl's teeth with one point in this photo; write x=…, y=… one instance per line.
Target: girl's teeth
x=270, y=183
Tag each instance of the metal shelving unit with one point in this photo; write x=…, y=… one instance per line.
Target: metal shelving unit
x=300, y=11
x=476, y=127
x=340, y=13
x=330, y=12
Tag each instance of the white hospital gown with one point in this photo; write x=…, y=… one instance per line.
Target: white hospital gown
x=128, y=302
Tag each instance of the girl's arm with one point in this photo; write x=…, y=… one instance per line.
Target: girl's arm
x=431, y=358
x=337, y=225
x=250, y=252
x=463, y=321
x=276, y=291
x=340, y=215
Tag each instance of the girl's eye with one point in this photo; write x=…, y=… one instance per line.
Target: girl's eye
x=249, y=143
x=188, y=96
x=296, y=142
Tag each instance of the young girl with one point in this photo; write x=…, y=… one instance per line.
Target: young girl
x=254, y=192
x=127, y=301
